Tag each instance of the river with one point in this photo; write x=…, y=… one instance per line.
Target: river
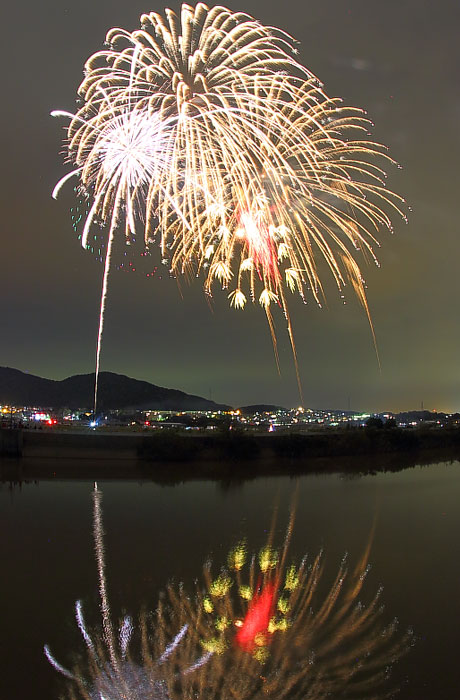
x=157, y=533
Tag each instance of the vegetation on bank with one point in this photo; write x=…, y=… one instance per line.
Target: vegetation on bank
x=232, y=457
x=227, y=455
x=239, y=445
x=166, y=446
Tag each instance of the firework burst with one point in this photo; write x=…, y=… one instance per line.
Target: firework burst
x=205, y=132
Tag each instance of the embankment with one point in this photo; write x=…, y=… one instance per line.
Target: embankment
x=168, y=456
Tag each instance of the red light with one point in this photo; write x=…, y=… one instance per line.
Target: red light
x=257, y=618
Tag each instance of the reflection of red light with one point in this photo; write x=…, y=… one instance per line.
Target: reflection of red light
x=257, y=618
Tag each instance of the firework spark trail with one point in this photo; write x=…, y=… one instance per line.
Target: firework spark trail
x=276, y=632
x=56, y=664
x=206, y=132
x=98, y=534
x=176, y=641
x=128, y=150
x=82, y=625
x=113, y=675
x=263, y=628
x=105, y=281
x=125, y=635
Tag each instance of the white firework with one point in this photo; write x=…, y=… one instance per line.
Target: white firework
x=114, y=676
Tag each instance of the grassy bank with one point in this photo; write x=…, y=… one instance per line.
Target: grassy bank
x=168, y=457
x=235, y=445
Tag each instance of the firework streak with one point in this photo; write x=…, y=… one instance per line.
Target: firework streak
x=264, y=627
x=206, y=133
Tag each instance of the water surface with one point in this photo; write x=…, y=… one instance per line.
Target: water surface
x=158, y=533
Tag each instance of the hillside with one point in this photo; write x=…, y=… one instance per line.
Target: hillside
x=115, y=391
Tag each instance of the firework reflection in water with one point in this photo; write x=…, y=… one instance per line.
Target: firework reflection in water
x=277, y=631
x=113, y=675
x=261, y=628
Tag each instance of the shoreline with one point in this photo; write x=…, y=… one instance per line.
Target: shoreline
x=237, y=444
x=173, y=458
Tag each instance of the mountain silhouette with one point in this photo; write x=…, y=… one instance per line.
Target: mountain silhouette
x=116, y=391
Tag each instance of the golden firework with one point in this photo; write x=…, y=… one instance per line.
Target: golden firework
x=205, y=131
x=265, y=626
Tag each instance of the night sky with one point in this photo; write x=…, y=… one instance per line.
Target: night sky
x=398, y=59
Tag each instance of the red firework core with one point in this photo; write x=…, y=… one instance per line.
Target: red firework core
x=260, y=243
x=255, y=623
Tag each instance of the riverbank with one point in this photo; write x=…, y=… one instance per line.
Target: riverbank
x=175, y=446
x=172, y=457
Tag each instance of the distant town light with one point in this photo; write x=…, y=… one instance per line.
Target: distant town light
x=42, y=416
